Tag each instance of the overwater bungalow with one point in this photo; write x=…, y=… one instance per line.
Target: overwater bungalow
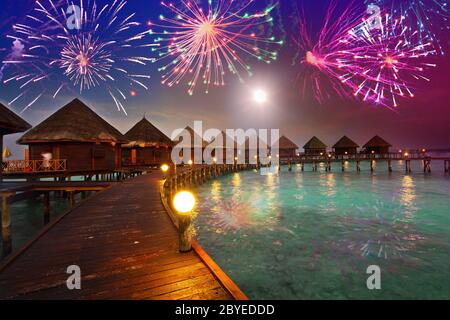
x=345, y=146
x=148, y=146
x=77, y=138
x=315, y=147
x=195, y=142
x=287, y=149
x=377, y=145
x=262, y=148
x=224, y=149
x=10, y=123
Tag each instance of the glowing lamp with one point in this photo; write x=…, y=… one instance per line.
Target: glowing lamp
x=215, y=160
x=190, y=162
x=184, y=202
x=164, y=168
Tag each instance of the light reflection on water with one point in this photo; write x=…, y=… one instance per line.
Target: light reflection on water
x=312, y=235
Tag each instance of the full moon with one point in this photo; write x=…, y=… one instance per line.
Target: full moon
x=260, y=96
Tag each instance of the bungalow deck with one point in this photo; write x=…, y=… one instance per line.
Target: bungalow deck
x=126, y=246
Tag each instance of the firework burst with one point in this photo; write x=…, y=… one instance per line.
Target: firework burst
x=378, y=57
x=204, y=39
x=78, y=44
x=385, y=62
x=380, y=235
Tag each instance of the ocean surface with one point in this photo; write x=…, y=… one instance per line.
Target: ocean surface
x=27, y=218
x=306, y=235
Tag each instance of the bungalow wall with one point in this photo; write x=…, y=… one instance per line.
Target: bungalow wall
x=315, y=152
x=80, y=156
x=344, y=151
x=377, y=150
x=146, y=156
x=286, y=154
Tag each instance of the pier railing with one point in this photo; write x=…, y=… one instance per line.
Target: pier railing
x=33, y=166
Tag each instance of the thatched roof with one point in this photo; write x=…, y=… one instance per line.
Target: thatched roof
x=11, y=122
x=194, y=137
x=225, y=137
x=377, y=142
x=286, y=143
x=144, y=133
x=75, y=122
x=345, y=143
x=315, y=143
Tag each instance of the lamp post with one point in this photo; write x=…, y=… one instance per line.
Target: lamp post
x=184, y=203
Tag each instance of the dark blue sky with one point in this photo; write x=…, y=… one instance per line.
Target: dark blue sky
x=419, y=122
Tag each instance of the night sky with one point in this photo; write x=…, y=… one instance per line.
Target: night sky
x=419, y=122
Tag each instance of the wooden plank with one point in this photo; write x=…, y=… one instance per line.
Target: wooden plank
x=125, y=245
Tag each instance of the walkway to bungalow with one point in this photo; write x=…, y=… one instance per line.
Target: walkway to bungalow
x=125, y=245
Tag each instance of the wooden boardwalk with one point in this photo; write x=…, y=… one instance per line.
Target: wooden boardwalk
x=125, y=245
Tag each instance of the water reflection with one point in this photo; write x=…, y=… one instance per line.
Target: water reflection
x=408, y=193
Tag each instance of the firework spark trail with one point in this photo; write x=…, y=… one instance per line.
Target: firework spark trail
x=205, y=42
x=429, y=16
x=77, y=43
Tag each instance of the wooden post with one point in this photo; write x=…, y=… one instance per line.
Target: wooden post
x=303, y=166
x=290, y=166
x=185, y=233
x=408, y=166
x=358, y=166
x=71, y=196
x=390, y=166
x=343, y=166
x=46, y=207
x=6, y=224
x=372, y=162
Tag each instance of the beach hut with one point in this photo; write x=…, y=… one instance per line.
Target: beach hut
x=345, y=146
x=77, y=134
x=377, y=145
x=10, y=123
x=261, y=150
x=224, y=149
x=148, y=146
x=195, y=142
x=315, y=147
x=287, y=148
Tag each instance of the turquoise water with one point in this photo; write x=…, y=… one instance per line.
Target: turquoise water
x=27, y=218
x=313, y=235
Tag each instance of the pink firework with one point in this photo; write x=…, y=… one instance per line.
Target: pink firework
x=375, y=57
x=386, y=62
x=321, y=56
x=205, y=39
